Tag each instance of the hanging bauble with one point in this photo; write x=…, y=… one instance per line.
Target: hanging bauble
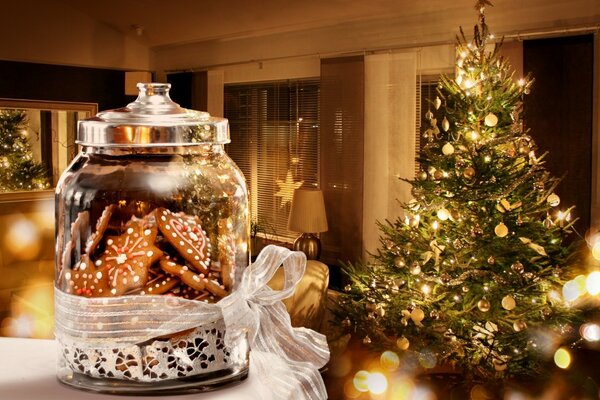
x=429, y=115
x=417, y=315
x=483, y=305
x=539, y=185
x=443, y=214
x=491, y=260
x=437, y=175
x=434, y=314
x=423, y=175
x=553, y=200
x=445, y=124
x=519, y=325
x=413, y=205
x=380, y=310
x=415, y=268
x=469, y=172
x=524, y=149
x=346, y=322
x=460, y=162
x=501, y=230
x=403, y=343
x=437, y=103
x=519, y=220
x=508, y=303
x=466, y=289
x=348, y=288
x=499, y=365
x=399, y=262
x=367, y=340
x=548, y=223
x=455, y=215
x=517, y=267
x=447, y=149
x=370, y=307
x=490, y=120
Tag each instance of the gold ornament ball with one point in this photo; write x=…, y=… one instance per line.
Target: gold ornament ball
x=437, y=175
x=490, y=120
x=508, y=303
x=437, y=103
x=469, y=172
x=491, y=260
x=519, y=325
x=417, y=315
x=483, y=305
x=447, y=149
x=403, y=343
x=423, y=175
x=347, y=288
x=553, y=200
x=443, y=214
x=501, y=230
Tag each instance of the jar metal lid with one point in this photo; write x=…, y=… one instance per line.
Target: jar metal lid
x=153, y=119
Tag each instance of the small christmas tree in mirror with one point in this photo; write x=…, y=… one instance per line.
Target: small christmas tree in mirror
x=18, y=169
x=472, y=276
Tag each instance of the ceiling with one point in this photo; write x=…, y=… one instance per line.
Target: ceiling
x=168, y=23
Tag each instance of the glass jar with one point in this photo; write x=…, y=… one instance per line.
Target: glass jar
x=151, y=211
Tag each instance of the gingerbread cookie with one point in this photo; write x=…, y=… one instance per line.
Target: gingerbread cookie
x=160, y=285
x=87, y=280
x=128, y=257
x=185, y=234
x=101, y=225
x=199, y=282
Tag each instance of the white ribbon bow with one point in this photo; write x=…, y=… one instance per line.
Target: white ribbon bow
x=286, y=359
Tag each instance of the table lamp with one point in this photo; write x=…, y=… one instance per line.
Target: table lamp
x=308, y=217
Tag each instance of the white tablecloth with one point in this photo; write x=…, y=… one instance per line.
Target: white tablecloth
x=28, y=372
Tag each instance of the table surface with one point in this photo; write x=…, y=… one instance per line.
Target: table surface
x=28, y=372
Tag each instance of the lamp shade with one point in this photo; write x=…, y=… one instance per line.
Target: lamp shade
x=308, y=211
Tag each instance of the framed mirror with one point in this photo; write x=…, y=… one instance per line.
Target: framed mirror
x=37, y=142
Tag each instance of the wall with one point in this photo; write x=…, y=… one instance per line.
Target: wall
x=51, y=32
x=419, y=26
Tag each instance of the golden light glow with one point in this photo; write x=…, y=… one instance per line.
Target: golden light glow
x=360, y=381
x=562, y=358
x=592, y=283
x=377, y=383
x=435, y=226
x=22, y=239
x=590, y=332
x=571, y=291
x=389, y=360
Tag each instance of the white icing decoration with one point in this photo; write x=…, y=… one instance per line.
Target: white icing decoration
x=82, y=266
x=68, y=276
x=129, y=231
x=189, y=251
x=136, y=278
x=182, y=243
x=121, y=258
x=109, y=242
x=147, y=232
x=98, y=263
x=167, y=227
x=150, y=253
x=163, y=218
x=113, y=291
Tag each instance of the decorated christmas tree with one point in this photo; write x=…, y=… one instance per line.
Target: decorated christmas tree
x=472, y=275
x=19, y=171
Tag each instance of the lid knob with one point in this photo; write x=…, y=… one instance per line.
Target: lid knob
x=153, y=98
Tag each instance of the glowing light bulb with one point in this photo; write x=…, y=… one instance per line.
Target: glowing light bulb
x=571, y=291
x=426, y=289
x=592, y=283
x=487, y=158
x=562, y=358
x=443, y=214
x=473, y=135
x=435, y=225
x=521, y=82
x=389, y=360
x=468, y=83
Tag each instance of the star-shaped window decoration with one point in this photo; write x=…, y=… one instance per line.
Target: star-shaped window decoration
x=286, y=188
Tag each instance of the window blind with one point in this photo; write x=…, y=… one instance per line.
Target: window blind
x=275, y=142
